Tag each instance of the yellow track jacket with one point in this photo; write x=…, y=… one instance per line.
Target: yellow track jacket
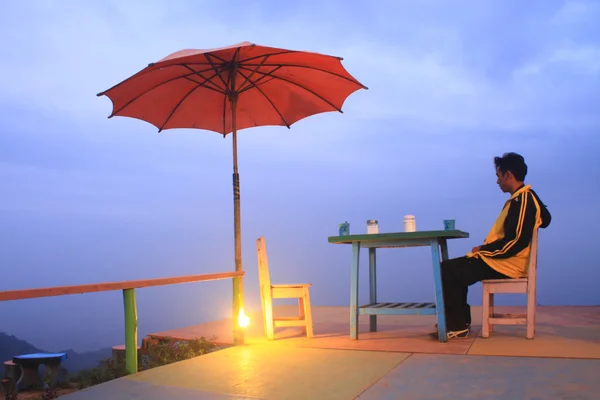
x=506, y=248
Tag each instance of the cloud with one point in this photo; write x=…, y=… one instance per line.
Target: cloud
x=576, y=12
x=416, y=65
x=432, y=70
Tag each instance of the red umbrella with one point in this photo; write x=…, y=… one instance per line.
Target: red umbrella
x=231, y=88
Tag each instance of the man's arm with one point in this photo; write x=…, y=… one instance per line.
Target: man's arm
x=518, y=229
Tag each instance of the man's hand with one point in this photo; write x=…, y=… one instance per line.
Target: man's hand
x=476, y=249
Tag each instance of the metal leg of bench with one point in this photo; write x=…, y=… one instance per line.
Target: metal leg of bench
x=18, y=383
x=51, y=373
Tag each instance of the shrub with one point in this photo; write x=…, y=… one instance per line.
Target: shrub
x=166, y=352
x=170, y=351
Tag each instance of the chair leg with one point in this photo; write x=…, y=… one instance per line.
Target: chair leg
x=530, y=316
x=491, y=326
x=269, y=324
x=301, y=312
x=485, y=323
x=308, y=314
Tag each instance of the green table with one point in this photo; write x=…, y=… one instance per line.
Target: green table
x=436, y=240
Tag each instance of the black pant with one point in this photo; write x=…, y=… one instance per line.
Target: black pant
x=457, y=275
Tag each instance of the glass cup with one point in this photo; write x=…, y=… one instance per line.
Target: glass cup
x=344, y=229
x=448, y=224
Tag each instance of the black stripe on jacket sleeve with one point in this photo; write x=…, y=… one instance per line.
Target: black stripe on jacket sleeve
x=518, y=229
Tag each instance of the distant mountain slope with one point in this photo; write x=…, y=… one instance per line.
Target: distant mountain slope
x=11, y=346
x=78, y=361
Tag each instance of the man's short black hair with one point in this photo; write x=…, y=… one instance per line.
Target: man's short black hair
x=514, y=163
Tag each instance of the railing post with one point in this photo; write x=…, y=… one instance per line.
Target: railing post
x=131, y=337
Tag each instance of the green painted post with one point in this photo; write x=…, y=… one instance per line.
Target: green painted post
x=131, y=337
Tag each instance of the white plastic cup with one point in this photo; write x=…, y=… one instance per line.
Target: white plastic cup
x=410, y=224
x=372, y=227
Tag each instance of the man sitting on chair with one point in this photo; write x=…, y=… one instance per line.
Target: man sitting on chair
x=504, y=253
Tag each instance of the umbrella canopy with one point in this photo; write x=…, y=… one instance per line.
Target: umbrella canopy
x=268, y=86
x=231, y=88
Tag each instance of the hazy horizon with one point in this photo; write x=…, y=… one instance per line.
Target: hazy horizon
x=86, y=199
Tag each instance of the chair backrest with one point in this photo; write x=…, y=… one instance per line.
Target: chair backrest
x=532, y=265
x=264, y=278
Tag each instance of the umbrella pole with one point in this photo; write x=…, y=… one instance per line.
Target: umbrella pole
x=238, y=288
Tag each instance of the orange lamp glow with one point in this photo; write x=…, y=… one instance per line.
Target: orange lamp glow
x=243, y=319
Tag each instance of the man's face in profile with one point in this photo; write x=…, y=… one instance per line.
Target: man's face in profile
x=503, y=180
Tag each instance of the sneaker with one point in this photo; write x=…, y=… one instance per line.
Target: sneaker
x=468, y=327
x=451, y=334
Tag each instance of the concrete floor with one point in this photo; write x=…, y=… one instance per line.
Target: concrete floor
x=567, y=332
x=398, y=362
x=427, y=376
x=265, y=372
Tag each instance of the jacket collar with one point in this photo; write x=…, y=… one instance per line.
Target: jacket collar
x=520, y=190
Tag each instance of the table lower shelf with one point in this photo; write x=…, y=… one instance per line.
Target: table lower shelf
x=397, y=309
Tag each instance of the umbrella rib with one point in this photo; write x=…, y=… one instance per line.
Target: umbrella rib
x=214, y=67
x=215, y=87
x=177, y=106
x=145, y=70
x=302, y=87
x=248, y=78
x=149, y=90
x=266, y=97
x=278, y=53
x=209, y=80
x=139, y=74
x=198, y=85
x=223, y=60
x=259, y=82
x=226, y=86
x=225, y=98
x=312, y=68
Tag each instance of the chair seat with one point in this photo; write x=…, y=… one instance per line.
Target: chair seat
x=294, y=285
x=506, y=285
x=287, y=291
x=499, y=281
x=286, y=322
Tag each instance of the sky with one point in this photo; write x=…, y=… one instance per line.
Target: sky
x=86, y=199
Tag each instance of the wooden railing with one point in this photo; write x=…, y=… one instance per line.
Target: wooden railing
x=129, y=302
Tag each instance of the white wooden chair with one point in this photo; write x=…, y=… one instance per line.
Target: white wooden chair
x=521, y=285
x=268, y=292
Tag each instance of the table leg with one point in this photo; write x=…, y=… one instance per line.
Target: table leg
x=444, y=249
x=439, y=291
x=354, y=291
x=372, y=288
